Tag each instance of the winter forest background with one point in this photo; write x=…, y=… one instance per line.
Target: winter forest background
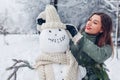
x=19, y=37
x=19, y=16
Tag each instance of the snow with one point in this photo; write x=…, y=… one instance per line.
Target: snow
x=113, y=64
x=25, y=47
x=19, y=16
x=17, y=47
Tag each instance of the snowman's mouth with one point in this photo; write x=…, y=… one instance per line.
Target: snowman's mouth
x=59, y=40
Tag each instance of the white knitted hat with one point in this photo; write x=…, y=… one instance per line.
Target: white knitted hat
x=51, y=17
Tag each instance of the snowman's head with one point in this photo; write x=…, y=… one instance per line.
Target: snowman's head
x=54, y=40
x=53, y=36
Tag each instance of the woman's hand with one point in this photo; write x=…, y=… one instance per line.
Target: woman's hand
x=73, y=31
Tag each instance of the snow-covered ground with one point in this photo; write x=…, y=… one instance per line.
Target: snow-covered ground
x=113, y=64
x=23, y=47
x=26, y=47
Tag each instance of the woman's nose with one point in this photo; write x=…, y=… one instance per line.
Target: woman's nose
x=89, y=23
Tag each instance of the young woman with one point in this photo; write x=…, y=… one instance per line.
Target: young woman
x=93, y=46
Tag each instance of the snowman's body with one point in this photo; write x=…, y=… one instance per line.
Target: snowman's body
x=55, y=58
x=56, y=41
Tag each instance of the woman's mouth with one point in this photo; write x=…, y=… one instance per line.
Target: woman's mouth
x=88, y=28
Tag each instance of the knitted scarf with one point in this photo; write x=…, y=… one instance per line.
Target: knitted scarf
x=45, y=61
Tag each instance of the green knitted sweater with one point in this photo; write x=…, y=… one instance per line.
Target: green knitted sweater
x=89, y=55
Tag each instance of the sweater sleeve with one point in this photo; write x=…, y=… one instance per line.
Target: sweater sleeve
x=99, y=54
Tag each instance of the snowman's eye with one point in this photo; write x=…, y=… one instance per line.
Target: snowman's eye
x=50, y=31
x=59, y=29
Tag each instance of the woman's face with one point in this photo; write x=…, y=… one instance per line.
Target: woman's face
x=94, y=25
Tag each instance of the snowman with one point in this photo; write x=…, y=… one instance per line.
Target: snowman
x=55, y=61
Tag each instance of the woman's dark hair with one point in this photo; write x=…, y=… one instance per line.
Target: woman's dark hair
x=105, y=36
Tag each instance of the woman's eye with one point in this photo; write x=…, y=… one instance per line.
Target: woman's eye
x=59, y=29
x=95, y=22
x=50, y=31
